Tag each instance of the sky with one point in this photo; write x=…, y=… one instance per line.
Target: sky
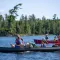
x=39, y=8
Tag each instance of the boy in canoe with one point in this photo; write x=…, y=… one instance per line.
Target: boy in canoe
x=43, y=43
x=18, y=42
x=46, y=36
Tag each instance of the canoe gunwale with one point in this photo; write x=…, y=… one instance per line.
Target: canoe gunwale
x=47, y=49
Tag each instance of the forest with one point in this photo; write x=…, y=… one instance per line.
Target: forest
x=27, y=25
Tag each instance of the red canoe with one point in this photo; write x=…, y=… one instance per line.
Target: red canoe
x=57, y=43
x=38, y=41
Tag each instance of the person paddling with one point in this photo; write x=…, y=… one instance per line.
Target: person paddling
x=43, y=43
x=18, y=42
x=46, y=38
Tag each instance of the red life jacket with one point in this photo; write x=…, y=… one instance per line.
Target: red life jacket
x=17, y=41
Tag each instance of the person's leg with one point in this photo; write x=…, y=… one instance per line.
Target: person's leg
x=21, y=46
x=12, y=45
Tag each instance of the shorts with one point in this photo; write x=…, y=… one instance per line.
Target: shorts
x=16, y=46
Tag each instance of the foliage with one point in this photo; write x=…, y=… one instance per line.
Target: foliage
x=27, y=25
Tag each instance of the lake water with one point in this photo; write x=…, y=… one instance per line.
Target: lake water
x=6, y=41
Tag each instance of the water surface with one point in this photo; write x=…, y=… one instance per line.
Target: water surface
x=6, y=41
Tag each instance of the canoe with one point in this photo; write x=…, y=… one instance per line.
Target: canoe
x=42, y=49
x=38, y=41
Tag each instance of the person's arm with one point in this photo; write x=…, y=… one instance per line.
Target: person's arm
x=22, y=41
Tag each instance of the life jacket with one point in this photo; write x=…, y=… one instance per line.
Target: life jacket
x=46, y=37
x=17, y=41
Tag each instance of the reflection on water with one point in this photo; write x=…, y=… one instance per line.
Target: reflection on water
x=30, y=56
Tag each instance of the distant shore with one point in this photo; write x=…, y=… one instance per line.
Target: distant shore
x=10, y=35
